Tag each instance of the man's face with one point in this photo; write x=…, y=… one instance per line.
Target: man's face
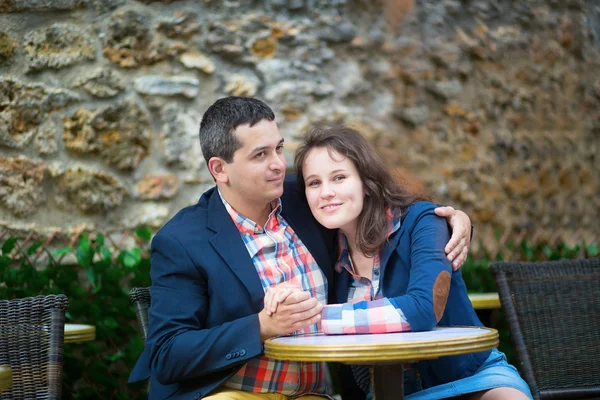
x=257, y=170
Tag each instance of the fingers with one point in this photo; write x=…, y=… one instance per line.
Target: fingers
x=278, y=294
x=460, y=260
x=446, y=211
x=456, y=243
x=296, y=297
x=307, y=322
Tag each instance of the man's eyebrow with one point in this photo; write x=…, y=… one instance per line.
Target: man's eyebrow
x=262, y=148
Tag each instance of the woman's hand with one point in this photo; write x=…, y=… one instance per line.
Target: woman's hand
x=277, y=294
x=458, y=246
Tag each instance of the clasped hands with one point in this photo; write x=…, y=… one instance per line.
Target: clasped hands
x=287, y=309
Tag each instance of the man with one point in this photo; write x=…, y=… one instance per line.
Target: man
x=213, y=262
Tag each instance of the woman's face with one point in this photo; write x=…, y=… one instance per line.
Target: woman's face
x=334, y=189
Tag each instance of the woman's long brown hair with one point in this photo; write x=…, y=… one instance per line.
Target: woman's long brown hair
x=382, y=191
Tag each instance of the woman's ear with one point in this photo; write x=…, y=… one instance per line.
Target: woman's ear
x=218, y=169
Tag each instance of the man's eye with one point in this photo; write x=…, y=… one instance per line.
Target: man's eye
x=258, y=155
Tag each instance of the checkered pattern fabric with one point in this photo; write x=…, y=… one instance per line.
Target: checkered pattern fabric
x=367, y=311
x=280, y=256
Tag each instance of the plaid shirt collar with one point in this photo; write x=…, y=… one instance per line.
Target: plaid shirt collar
x=246, y=225
x=343, y=260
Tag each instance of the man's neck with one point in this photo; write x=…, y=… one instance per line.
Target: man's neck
x=258, y=213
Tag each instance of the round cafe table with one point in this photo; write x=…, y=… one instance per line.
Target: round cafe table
x=77, y=333
x=5, y=377
x=385, y=352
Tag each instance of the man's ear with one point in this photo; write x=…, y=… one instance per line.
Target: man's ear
x=218, y=169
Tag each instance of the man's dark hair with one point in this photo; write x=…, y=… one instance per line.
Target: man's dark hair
x=222, y=118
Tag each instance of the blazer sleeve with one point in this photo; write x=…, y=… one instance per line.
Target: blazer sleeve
x=430, y=273
x=179, y=344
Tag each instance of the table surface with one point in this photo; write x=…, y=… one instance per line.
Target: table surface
x=382, y=348
x=481, y=301
x=76, y=333
x=5, y=377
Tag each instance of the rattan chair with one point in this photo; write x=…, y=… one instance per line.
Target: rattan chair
x=140, y=298
x=31, y=342
x=553, y=311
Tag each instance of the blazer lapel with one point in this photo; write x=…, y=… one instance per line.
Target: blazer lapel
x=230, y=246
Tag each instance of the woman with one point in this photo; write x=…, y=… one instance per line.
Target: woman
x=392, y=273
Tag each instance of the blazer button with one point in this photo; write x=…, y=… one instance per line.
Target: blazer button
x=243, y=353
x=228, y=356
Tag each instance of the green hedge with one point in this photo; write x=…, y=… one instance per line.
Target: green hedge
x=98, y=285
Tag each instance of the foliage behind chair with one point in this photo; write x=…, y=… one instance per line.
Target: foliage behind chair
x=31, y=342
x=553, y=311
x=140, y=297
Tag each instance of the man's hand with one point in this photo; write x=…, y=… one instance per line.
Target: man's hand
x=458, y=246
x=297, y=311
x=277, y=294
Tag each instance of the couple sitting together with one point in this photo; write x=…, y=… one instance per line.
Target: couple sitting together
x=261, y=255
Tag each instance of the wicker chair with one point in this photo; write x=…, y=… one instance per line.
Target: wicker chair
x=31, y=342
x=140, y=298
x=553, y=311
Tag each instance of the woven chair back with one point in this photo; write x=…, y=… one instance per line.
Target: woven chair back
x=31, y=343
x=553, y=312
x=140, y=298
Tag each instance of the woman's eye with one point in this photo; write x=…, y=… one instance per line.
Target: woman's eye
x=313, y=183
x=279, y=148
x=258, y=155
x=339, y=178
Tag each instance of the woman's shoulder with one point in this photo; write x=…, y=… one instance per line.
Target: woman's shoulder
x=418, y=208
x=416, y=212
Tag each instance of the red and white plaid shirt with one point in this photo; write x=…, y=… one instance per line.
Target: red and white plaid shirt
x=280, y=256
x=367, y=311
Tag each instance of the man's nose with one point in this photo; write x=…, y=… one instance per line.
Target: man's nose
x=277, y=162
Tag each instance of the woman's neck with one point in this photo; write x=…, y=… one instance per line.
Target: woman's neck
x=361, y=263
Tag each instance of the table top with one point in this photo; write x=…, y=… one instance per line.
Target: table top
x=382, y=348
x=76, y=333
x=481, y=301
x=5, y=377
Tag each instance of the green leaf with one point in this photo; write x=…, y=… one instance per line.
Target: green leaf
x=132, y=258
x=32, y=249
x=117, y=356
x=99, y=239
x=84, y=252
x=62, y=252
x=592, y=250
x=106, y=253
x=144, y=233
x=8, y=246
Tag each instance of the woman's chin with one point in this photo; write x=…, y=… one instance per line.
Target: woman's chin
x=328, y=224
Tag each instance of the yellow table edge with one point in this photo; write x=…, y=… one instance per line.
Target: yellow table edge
x=383, y=352
x=484, y=301
x=5, y=377
x=84, y=333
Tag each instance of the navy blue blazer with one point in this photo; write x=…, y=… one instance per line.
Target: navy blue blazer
x=206, y=295
x=410, y=262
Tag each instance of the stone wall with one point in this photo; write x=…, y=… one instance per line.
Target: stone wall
x=493, y=105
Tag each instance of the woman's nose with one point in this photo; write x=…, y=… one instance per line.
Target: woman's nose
x=327, y=191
